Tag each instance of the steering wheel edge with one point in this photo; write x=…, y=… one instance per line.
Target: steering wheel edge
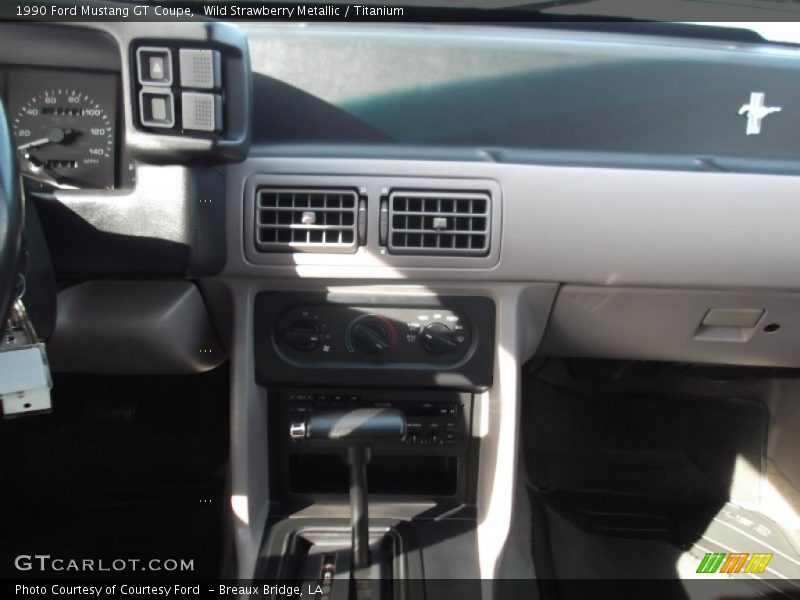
x=11, y=218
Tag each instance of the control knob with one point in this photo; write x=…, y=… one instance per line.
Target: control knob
x=437, y=338
x=371, y=335
x=303, y=335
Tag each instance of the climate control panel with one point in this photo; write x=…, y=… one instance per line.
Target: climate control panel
x=327, y=339
x=332, y=333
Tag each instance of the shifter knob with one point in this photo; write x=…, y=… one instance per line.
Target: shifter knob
x=349, y=426
x=354, y=429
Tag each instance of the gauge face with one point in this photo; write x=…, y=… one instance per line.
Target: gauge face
x=65, y=137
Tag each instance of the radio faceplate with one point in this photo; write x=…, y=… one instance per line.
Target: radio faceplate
x=433, y=420
x=432, y=461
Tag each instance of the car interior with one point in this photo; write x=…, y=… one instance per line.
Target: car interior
x=403, y=310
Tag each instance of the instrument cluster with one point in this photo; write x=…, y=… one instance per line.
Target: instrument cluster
x=66, y=128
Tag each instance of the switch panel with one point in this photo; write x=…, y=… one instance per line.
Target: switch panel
x=180, y=89
x=201, y=112
x=200, y=69
x=157, y=108
x=208, y=56
x=154, y=66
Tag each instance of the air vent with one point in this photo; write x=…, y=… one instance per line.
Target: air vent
x=440, y=223
x=308, y=220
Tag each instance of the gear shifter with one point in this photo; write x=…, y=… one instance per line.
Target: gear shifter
x=354, y=430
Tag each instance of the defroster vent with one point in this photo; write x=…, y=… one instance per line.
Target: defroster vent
x=439, y=223
x=308, y=220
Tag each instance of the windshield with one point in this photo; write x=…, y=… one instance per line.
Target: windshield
x=773, y=20
x=774, y=32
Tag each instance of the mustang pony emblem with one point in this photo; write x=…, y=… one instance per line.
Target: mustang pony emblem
x=756, y=111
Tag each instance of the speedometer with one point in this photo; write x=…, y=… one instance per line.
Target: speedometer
x=64, y=127
x=64, y=133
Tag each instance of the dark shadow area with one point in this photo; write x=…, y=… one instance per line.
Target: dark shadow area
x=597, y=104
x=124, y=467
x=78, y=248
x=575, y=102
x=285, y=114
x=327, y=474
x=119, y=233
x=630, y=465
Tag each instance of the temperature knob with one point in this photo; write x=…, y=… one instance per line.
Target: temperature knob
x=437, y=339
x=303, y=335
x=371, y=335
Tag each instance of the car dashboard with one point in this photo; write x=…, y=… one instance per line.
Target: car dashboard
x=373, y=215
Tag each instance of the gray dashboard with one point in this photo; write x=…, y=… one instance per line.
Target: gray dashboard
x=614, y=160
x=518, y=92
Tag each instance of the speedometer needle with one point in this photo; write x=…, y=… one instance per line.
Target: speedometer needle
x=35, y=143
x=56, y=136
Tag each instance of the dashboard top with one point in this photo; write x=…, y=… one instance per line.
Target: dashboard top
x=591, y=143
x=548, y=95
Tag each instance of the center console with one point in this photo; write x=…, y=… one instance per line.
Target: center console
x=334, y=365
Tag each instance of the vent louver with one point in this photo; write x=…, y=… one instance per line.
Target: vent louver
x=306, y=220
x=439, y=223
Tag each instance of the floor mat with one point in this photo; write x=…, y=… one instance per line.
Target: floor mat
x=643, y=475
x=577, y=555
x=619, y=457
